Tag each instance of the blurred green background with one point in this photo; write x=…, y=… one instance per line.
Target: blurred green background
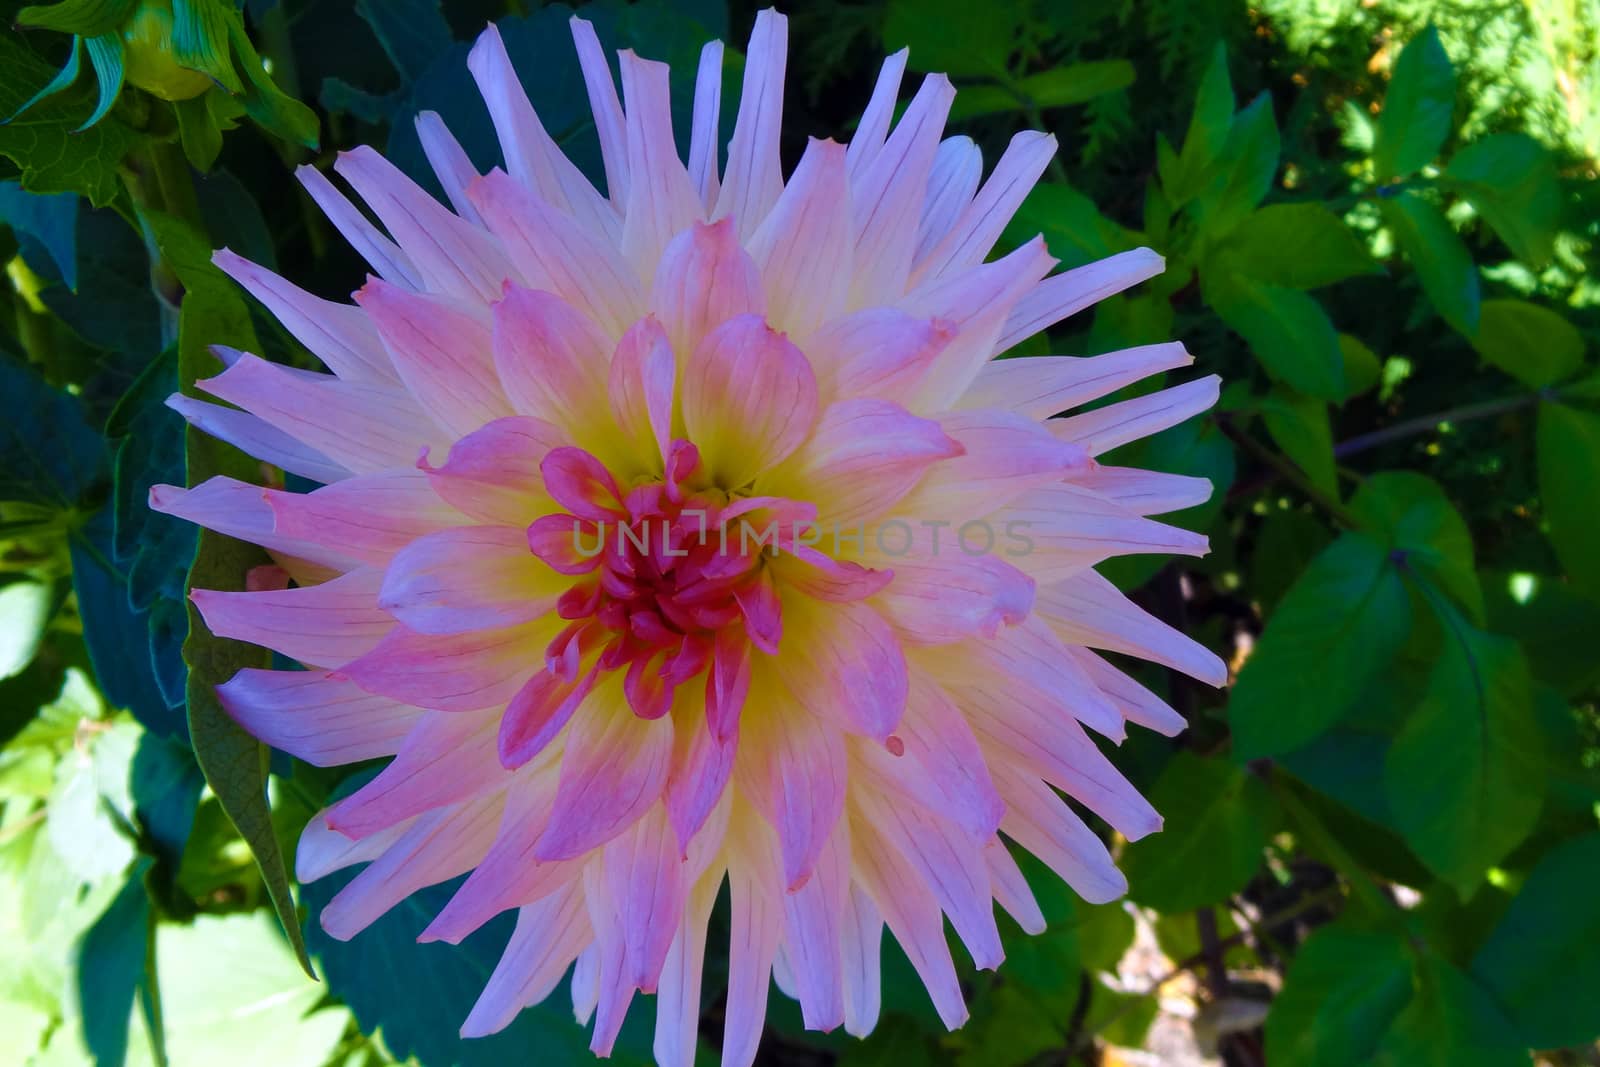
x=1379, y=219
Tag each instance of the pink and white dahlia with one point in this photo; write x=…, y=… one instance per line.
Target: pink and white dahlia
x=691, y=533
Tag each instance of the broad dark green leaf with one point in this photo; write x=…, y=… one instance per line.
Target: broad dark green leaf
x=1073, y=228
x=1216, y=827
x=263, y=101
x=1437, y=254
x=1335, y=628
x=1288, y=331
x=952, y=36
x=1416, y=110
x=1300, y=246
x=1533, y=344
x=1075, y=83
x=1554, y=623
x=1299, y=425
x=43, y=141
x=1342, y=992
x=111, y=972
x=377, y=973
x=1511, y=179
x=1246, y=165
x=51, y=219
x=413, y=33
x=1464, y=778
x=234, y=763
x=114, y=307
x=1569, y=470
x=48, y=454
x=1361, y=367
x=1451, y=1021
x=1539, y=964
x=1410, y=513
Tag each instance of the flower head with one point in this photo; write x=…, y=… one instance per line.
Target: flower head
x=691, y=533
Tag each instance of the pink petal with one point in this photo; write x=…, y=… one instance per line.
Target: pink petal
x=1071, y=291
x=876, y=352
x=468, y=578
x=753, y=180
x=449, y=162
x=648, y=884
x=844, y=663
x=1136, y=703
x=337, y=334
x=861, y=934
x=381, y=254
x=953, y=596
x=1011, y=889
x=552, y=251
x=704, y=134
x=552, y=361
x=874, y=125
x=979, y=226
x=804, y=246
x=1086, y=609
x=1144, y=492
x=727, y=683
x=369, y=517
x=539, y=711
x=957, y=168
x=678, y=993
x=1041, y=386
x=580, y=483
x=643, y=378
x=1116, y=424
x=451, y=672
x=603, y=104
x=444, y=759
x=362, y=426
x=323, y=625
x=441, y=353
x=256, y=437
x=704, y=279
x=1041, y=822
x=613, y=770
x=701, y=767
x=549, y=935
x=791, y=766
x=661, y=201
x=1003, y=455
x=755, y=923
x=1056, y=531
x=314, y=717
x=749, y=400
x=814, y=918
x=450, y=255
x=239, y=509
x=493, y=473
x=323, y=850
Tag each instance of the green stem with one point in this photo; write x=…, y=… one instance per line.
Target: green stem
x=1288, y=472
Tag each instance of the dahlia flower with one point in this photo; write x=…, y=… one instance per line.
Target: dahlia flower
x=690, y=533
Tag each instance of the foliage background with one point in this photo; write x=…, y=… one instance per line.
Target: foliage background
x=1380, y=223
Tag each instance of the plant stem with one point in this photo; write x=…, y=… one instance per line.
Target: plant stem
x=1424, y=423
x=1287, y=471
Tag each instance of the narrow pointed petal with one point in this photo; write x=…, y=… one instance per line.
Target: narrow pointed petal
x=548, y=937
x=1069, y=292
x=323, y=850
x=678, y=992
x=979, y=226
x=258, y=438
x=1144, y=492
x=1105, y=428
x=642, y=384
x=325, y=625
x=1056, y=531
x=704, y=131
x=648, y=882
x=1011, y=889
x=861, y=937
x=753, y=180
x=755, y=924
x=442, y=354
x=493, y=474
x=1003, y=455
x=792, y=767
x=239, y=509
x=1136, y=703
x=314, y=717
x=451, y=672
x=381, y=254
x=449, y=162
x=1042, y=823
x=749, y=399
x=874, y=125
x=877, y=352
x=957, y=168
x=661, y=201
x=468, y=578
x=1041, y=386
x=952, y=596
x=1086, y=609
x=805, y=245
x=552, y=361
x=440, y=762
x=539, y=712
x=607, y=110
x=705, y=279
x=369, y=518
x=813, y=922
x=701, y=768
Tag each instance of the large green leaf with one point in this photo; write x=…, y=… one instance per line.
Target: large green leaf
x=44, y=141
x=1208, y=132
x=1411, y=514
x=1539, y=963
x=1569, y=470
x=52, y=220
x=953, y=36
x=1246, y=164
x=1339, y=997
x=111, y=973
x=1335, y=628
x=48, y=454
x=1533, y=344
x=1299, y=425
x=1437, y=254
x=1451, y=1021
x=1288, y=331
x=1511, y=179
x=1073, y=228
x=413, y=33
x=1216, y=828
x=234, y=763
x=1301, y=246
x=1416, y=110
x=1465, y=777
x=1074, y=83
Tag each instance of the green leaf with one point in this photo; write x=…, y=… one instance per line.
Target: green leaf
x=1555, y=625
x=1437, y=254
x=1361, y=367
x=376, y=973
x=413, y=33
x=1335, y=628
x=1416, y=110
x=1075, y=83
x=1248, y=160
x=234, y=763
x=1073, y=228
x=1299, y=425
x=86, y=18
x=1569, y=469
x=51, y=220
x=105, y=54
x=1208, y=132
x=1301, y=246
x=1511, y=179
x=200, y=41
x=198, y=130
x=1288, y=331
x=48, y=453
x=110, y=971
x=1216, y=823
x=1339, y=997
x=264, y=102
x=1464, y=778
x=1539, y=964
x=1410, y=513
x=52, y=157
x=1533, y=344
x=1451, y=1021
x=953, y=36
x=25, y=610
